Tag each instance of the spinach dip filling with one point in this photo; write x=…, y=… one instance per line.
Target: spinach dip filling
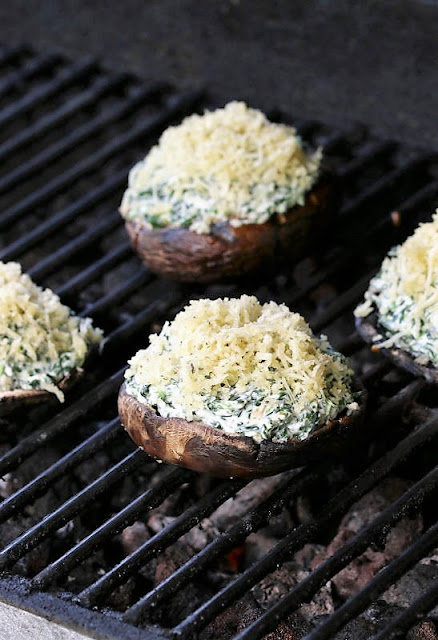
x=229, y=165
x=246, y=368
x=41, y=341
x=405, y=296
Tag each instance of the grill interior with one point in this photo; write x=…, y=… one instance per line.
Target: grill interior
x=79, y=501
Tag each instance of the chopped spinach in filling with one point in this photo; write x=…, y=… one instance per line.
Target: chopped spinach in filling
x=253, y=412
x=30, y=368
x=192, y=207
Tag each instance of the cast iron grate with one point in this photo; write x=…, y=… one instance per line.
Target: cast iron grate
x=75, y=491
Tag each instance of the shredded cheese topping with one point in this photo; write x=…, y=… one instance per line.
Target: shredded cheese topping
x=405, y=295
x=231, y=164
x=244, y=367
x=41, y=342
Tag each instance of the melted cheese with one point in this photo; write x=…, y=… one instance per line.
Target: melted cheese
x=405, y=294
x=238, y=348
x=229, y=164
x=41, y=342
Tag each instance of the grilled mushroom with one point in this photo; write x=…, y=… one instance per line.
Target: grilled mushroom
x=399, y=314
x=181, y=254
x=43, y=346
x=225, y=194
x=233, y=387
x=201, y=447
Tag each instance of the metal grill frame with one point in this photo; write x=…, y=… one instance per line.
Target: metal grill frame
x=79, y=612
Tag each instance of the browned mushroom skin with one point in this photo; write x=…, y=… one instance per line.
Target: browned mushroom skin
x=203, y=448
x=180, y=254
x=368, y=329
x=10, y=400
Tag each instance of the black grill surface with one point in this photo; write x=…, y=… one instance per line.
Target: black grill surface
x=72, y=480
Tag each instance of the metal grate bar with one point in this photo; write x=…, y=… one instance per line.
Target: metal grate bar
x=356, y=545
x=342, y=303
x=354, y=242
x=335, y=140
x=149, y=313
x=415, y=201
x=86, y=99
x=141, y=278
x=350, y=344
x=40, y=483
x=60, y=423
x=395, y=407
x=410, y=616
x=336, y=264
x=302, y=534
x=144, y=502
x=292, y=485
x=94, y=271
x=35, y=66
x=368, y=156
x=12, y=53
x=386, y=576
x=323, y=274
x=69, y=249
x=144, y=128
x=416, y=166
x=297, y=295
x=419, y=198
x=376, y=372
x=40, y=196
x=53, y=521
x=52, y=224
x=33, y=99
x=15, y=591
x=167, y=536
x=61, y=147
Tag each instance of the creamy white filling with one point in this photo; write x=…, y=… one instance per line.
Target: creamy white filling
x=198, y=212
x=250, y=413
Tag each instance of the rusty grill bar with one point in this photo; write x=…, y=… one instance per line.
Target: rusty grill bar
x=68, y=135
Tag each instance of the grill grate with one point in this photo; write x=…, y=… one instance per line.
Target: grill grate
x=72, y=481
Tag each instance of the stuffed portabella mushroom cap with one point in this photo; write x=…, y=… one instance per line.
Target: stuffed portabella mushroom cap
x=224, y=194
x=43, y=346
x=399, y=315
x=234, y=388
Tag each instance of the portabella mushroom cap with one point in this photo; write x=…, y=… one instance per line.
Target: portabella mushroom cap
x=368, y=328
x=181, y=254
x=200, y=447
x=11, y=400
